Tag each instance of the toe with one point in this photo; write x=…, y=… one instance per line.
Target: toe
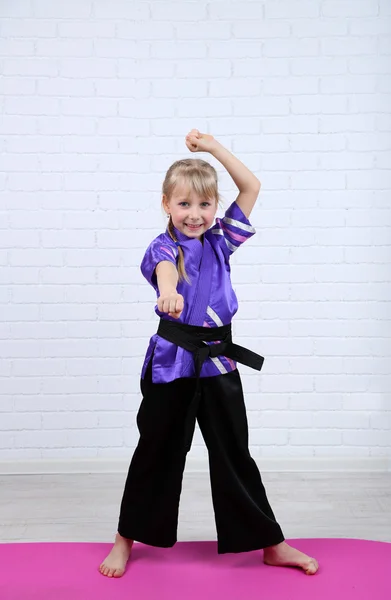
x=118, y=573
x=312, y=567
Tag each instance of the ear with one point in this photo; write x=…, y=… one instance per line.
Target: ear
x=166, y=204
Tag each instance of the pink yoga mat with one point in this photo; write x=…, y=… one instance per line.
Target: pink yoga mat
x=349, y=570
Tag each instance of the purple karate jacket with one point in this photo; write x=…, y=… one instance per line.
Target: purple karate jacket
x=209, y=300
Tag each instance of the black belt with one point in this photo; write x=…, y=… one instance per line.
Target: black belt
x=193, y=338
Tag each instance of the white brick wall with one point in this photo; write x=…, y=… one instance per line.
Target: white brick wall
x=96, y=99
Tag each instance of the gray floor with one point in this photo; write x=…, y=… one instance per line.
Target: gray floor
x=85, y=507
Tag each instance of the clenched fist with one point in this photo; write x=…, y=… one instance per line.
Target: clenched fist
x=171, y=303
x=199, y=142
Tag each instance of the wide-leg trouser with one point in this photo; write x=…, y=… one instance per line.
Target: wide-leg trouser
x=150, y=503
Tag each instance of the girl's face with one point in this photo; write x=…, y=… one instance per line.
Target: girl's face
x=190, y=214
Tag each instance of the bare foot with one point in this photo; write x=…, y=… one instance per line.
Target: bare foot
x=115, y=563
x=283, y=555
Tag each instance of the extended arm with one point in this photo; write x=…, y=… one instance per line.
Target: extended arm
x=169, y=300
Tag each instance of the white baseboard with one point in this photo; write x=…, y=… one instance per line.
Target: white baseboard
x=275, y=465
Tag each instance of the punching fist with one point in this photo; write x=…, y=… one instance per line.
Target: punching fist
x=171, y=303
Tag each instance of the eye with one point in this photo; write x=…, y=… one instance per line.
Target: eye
x=205, y=204
x=183, y=203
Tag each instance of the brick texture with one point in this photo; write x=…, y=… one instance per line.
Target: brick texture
x=96, y=98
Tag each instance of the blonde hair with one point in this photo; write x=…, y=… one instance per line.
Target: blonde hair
x=201, y=178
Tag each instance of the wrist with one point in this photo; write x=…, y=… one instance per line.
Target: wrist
x=167, y=290
x=215, y=147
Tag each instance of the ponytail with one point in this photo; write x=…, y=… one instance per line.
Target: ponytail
x=182, y=275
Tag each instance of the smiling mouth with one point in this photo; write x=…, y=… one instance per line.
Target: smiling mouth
x=193, y=226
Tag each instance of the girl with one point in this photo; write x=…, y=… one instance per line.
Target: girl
x=190, y=374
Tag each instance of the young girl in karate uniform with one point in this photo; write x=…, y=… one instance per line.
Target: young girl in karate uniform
x=190, y=374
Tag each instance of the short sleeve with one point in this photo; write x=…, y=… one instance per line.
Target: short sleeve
x=158, y=250
x=233, y=229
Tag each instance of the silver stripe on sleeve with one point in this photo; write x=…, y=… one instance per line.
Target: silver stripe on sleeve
x=228, y=244
x=238, y=224
x=231, y=246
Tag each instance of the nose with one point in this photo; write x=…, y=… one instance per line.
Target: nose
x=194, y=216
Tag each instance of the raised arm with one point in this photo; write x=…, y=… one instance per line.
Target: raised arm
x=244, y=179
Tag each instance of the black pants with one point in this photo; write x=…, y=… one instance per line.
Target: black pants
x=150, y=503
